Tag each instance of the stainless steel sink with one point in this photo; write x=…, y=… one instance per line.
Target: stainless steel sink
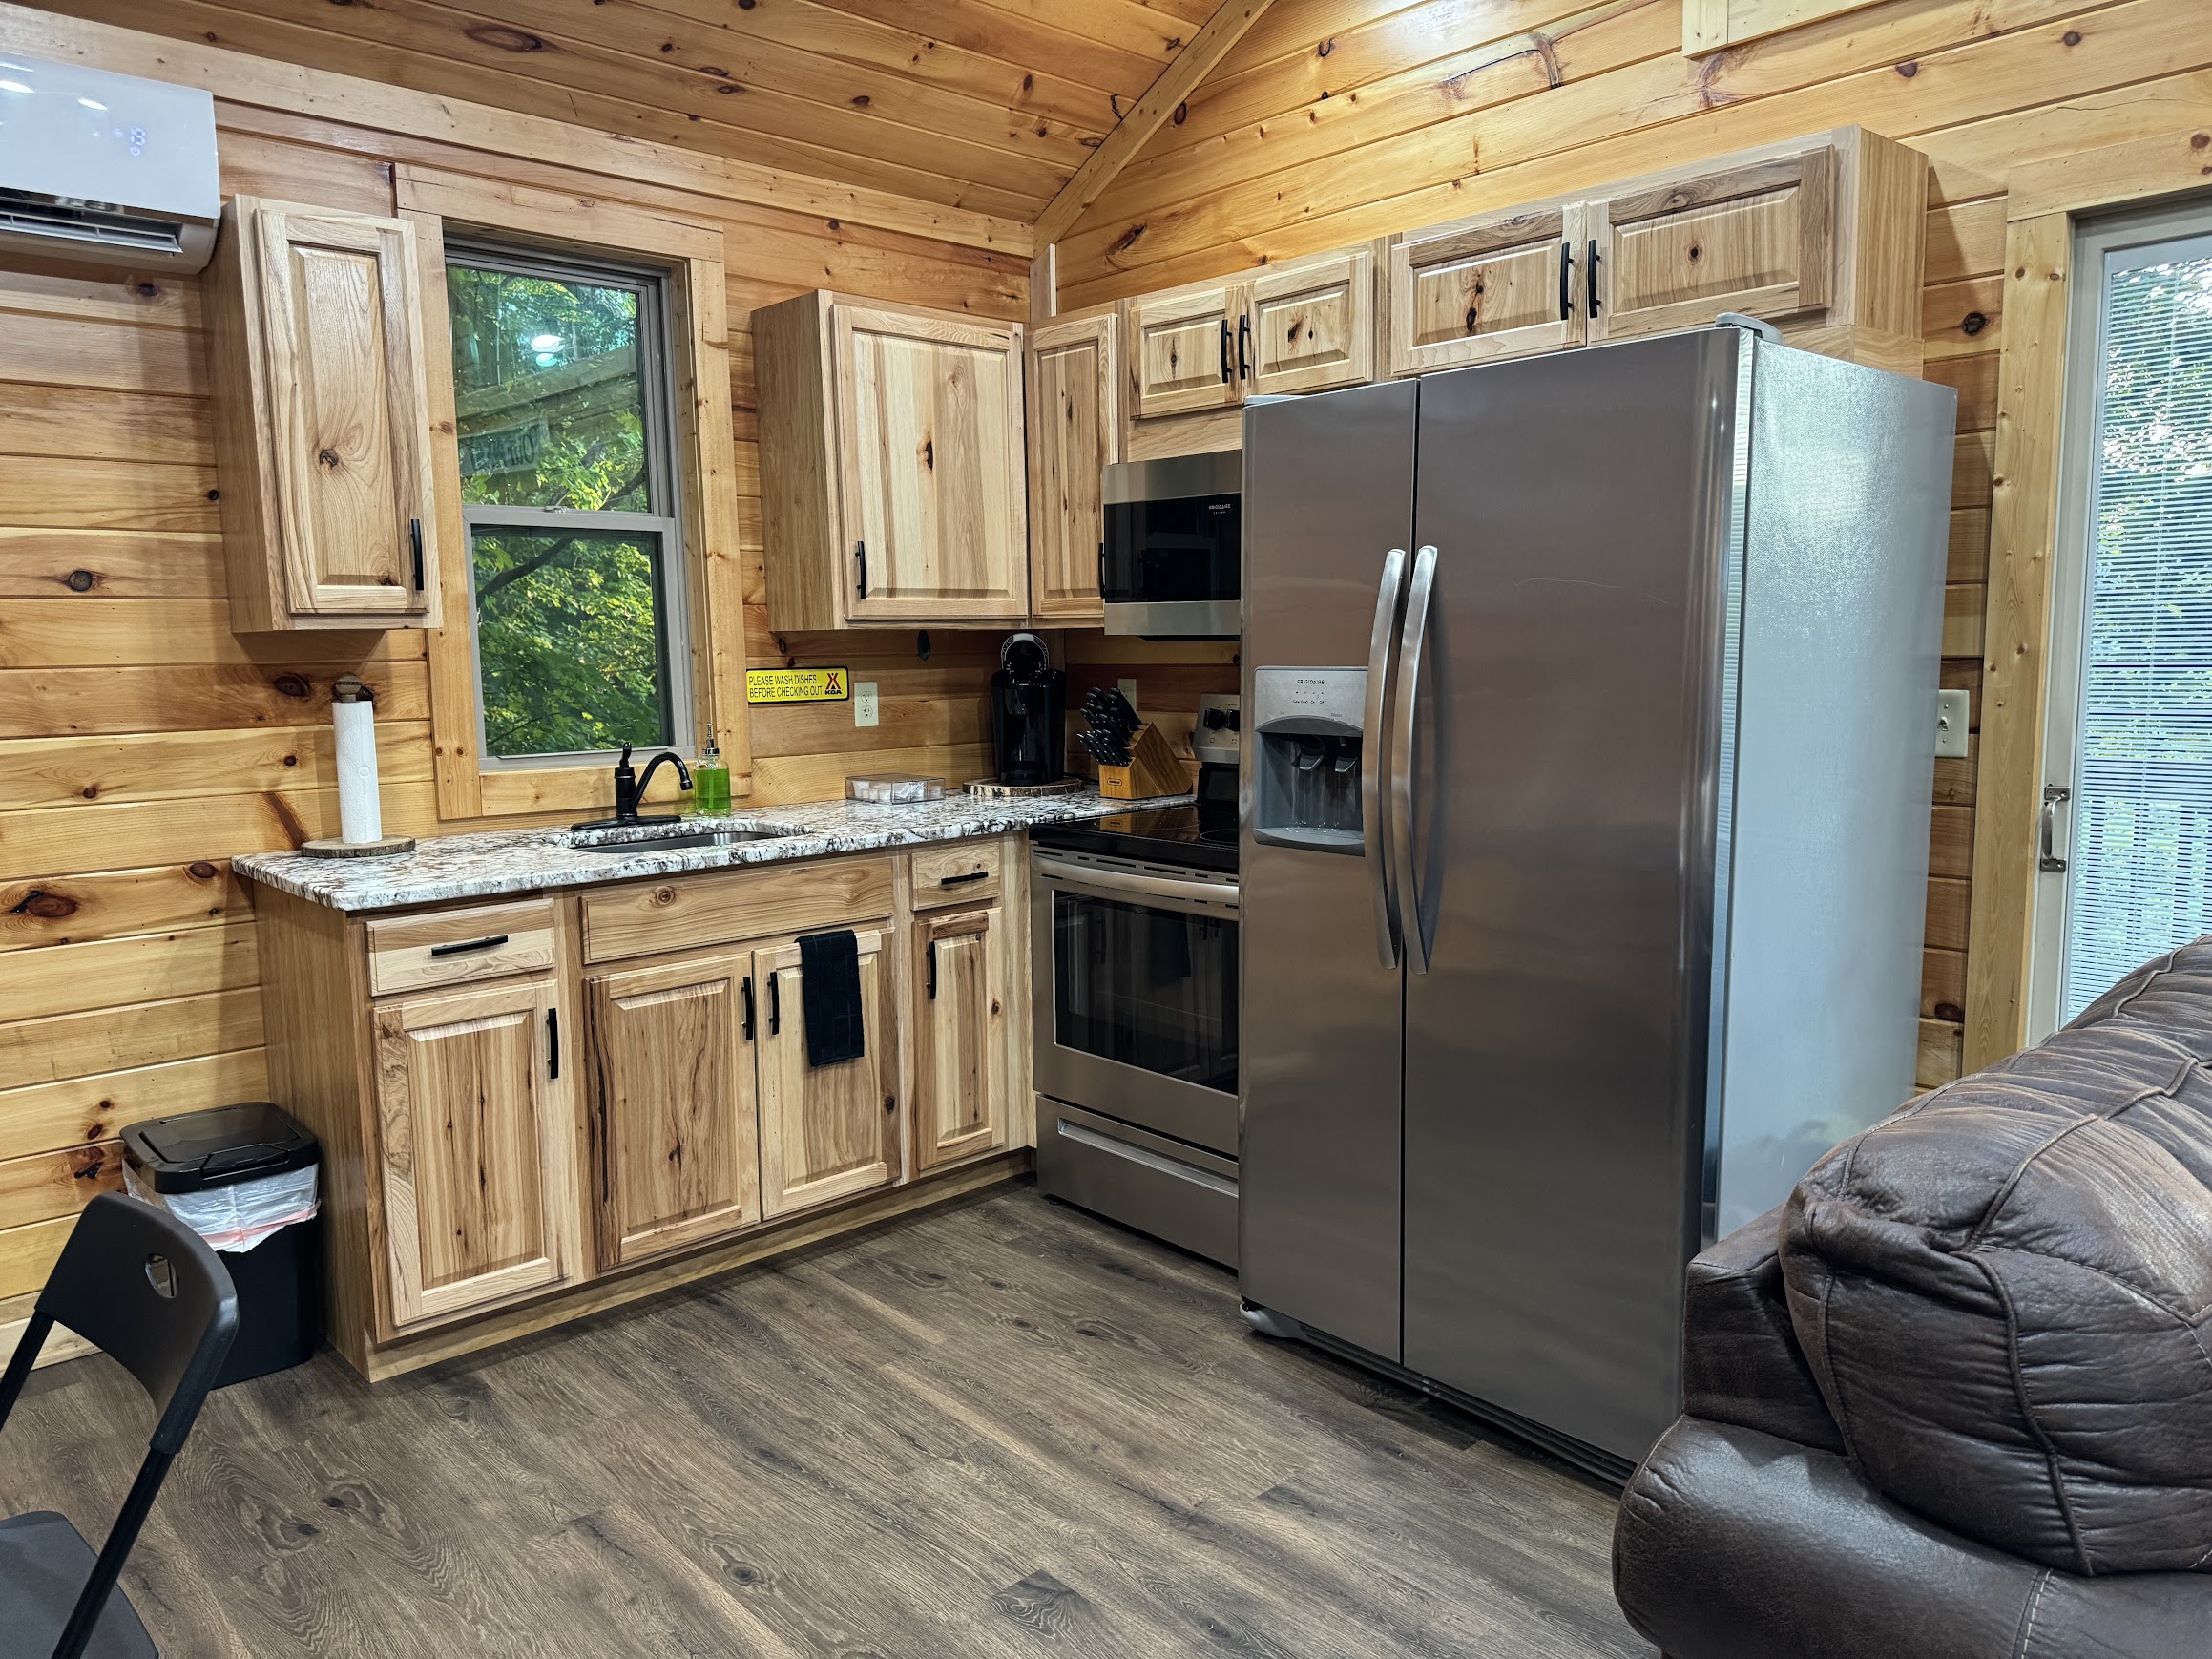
x=660, y=839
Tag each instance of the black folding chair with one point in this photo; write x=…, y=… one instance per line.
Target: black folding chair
x=146, y=1289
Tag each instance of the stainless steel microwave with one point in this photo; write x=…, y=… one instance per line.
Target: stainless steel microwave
x=1170, y=565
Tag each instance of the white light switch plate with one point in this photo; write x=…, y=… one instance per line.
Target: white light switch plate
x=1128, y=690
x=863, y=703
x=1952, y=711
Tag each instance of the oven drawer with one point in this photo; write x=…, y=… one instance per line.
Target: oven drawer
x=1157, y=1186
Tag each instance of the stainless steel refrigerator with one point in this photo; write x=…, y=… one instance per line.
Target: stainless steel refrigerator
x=1591, y=704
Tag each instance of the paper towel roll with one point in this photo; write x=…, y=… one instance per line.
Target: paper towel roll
x=360, y=814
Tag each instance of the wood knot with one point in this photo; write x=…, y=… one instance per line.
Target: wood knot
x=504, y=39
x=1974, y=324
x=665, y=895
x=80, y=581
x=292, y=685
x=199, y=870
x=326, y=458
x=1908, y=68
x=2199, y=141
x=2072, y=37
x=47, y=907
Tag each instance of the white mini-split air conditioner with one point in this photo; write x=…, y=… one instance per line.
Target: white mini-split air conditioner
x=105, y=169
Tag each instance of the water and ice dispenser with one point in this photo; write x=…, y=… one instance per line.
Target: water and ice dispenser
x=1306, y=790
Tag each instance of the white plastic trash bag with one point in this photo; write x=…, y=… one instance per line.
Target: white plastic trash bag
x=238, y=1216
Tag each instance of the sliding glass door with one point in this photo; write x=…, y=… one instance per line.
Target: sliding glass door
x=2127, y=854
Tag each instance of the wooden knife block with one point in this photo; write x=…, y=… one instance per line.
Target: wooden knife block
x=1151, y=770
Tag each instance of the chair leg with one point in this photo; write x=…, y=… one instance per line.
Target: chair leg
x=19, y=1364
x=92, y=1602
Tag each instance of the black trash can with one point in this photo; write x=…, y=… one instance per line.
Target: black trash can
x=192, y=1163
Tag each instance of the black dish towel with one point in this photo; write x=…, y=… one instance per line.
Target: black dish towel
x=829, y=980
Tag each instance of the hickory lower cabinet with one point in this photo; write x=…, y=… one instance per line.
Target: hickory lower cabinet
x=531, y=1108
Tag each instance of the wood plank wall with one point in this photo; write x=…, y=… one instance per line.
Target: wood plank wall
x=1331, y=123
x=142, y=744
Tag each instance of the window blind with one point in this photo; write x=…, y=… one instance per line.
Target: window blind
x=2140, y=864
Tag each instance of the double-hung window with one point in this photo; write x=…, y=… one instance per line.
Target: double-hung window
x=575, y=558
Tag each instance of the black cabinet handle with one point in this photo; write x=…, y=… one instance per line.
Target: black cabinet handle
x=462, y=948
x=962, y=880
x=1590, y=276
x=552, y=1042
x=932, y=970
x=1101, y=568
x=1565, y=281
x=1224, y=351
x=415, y=537
x=775, y=1004
x=860, y=553
x=1244, y=347
x=747, y=989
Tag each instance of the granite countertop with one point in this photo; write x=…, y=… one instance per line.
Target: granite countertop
x=511, y=861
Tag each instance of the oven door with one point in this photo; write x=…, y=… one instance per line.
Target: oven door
x=1136, y=993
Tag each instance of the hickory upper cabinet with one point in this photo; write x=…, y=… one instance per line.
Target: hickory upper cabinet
x=321, y=419
x=1306, y=326
x=892, y=465
x=1823, y=236
x=1075, y=432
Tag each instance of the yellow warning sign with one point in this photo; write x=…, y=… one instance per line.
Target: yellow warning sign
x=798, y=685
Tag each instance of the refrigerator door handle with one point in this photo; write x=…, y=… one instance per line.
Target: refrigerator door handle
x=1411, y=926
x=1388, y=598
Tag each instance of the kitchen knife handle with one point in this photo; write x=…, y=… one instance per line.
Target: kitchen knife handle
x=1390, y=599
x=1411, y=926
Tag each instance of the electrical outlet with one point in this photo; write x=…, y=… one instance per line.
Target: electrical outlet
x=863, y=703
x=1128, y=690
x=1952, y=710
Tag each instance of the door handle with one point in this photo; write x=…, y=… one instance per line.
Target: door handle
x=1411, y=926
x=1390, y=596
x=775, y=1003
x=1243, y=346
x=746, y=990
x=932, y=970
x=1224, y=351
x=552, y=1042
x=1590, y=280
x=462, y=947
x=1565, y=281
x=962, y=880
x=860, y=553
x=415, y=538
x=2055, y=797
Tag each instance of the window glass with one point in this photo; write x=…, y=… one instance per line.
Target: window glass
x=546, y=386
x=574, y=551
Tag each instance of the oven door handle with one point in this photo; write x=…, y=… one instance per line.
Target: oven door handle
x=1172, y=889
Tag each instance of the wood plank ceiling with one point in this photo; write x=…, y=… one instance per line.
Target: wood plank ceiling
x=984, y=104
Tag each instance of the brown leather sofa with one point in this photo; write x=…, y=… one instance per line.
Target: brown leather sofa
x=1953, y=1400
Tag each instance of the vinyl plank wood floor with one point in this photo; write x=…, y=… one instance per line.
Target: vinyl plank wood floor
x=1003, y=1430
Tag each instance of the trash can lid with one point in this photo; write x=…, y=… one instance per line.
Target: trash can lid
x=196, y=1151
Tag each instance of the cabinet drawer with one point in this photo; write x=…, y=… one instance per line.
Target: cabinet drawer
x=460, y=946
x=964, y=873
x=645, y=918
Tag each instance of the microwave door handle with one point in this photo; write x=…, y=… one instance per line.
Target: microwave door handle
x=1412, y=926
x=1390, y=599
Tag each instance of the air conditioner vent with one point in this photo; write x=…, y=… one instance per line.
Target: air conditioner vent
x=86, y=222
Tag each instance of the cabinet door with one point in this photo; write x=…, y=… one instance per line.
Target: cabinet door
x=1502, y=286
x=476, y=1148
x=1183, y=351
x=1312, y=327
x=960, y=1027
x=674, y=1127
x=832, y=1130
x=347, y=452
x=1074, y=429
x=1758, y=239
x=929, y=440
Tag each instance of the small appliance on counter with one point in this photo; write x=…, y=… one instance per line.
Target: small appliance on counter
x=1029, y=705
x=1135, y=762
x=1136, y=1014
x=1170, y=565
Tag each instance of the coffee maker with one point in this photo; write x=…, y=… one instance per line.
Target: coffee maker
x=1029, y=701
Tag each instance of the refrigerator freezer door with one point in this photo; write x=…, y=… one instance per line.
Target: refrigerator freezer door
x=1562, y=780
x=1328, y=492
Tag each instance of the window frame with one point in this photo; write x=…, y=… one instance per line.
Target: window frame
x=656, y=382
x=703, y=456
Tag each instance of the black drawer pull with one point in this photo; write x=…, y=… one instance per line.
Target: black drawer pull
x=1565, y=281
x=775, y=1004
x=552, y=1042
x=962, y=880
x=749, y=991
x=462, y=947
x=932, y=970
x=415, y=538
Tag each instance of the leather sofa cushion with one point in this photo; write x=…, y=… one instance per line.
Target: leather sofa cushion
x=2003, y=1289
x=1741, y=1360
x=1733, y=1545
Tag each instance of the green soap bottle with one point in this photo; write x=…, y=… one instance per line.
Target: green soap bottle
x=710, y=781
